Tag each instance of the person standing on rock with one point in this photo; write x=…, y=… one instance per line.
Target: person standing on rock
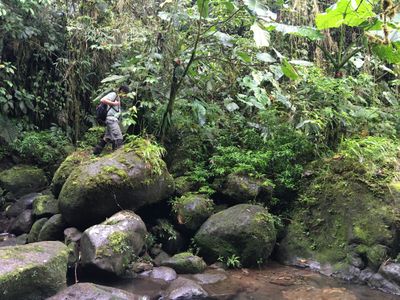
x=113, y=131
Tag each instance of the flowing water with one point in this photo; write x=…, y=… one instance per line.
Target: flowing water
x=275, y=282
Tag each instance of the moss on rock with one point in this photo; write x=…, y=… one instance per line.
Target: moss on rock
x=45, y=206
x=185, y=263
x=22, y=180
x=244, y=230
x=32, y=272
x=342, y=210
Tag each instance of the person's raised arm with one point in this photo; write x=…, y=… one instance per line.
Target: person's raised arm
x=109, y=102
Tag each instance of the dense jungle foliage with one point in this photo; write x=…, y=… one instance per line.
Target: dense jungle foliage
x=251, y=87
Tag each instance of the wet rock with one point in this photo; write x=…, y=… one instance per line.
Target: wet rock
x=114, y=244
x=377, y=281
x=22, y=239
x=33, y=271
x=139, y=267
x=192, y=210
x=89, y=291
x=391, y=271
x=35, y=230
x=182, y=288
x=53, y=229
x=101, y=186
x=72, y=234
x=45, y=206
x=23, y=223
x=209, y=278
x=160, y=258
x=185, y=263
x=21, y=204
x=162, y=273
x=21, y=180
x=316, y=293
x=7, y=239
x=242, y=189
x=244, y=230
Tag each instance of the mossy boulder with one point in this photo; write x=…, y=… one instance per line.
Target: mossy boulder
x=192, y=210
x=23, y=203
x=45, y=206
x=114, y=244
x=34, y=271
x=53, y=229
x=243, y=189
x=85, y=291
x=244, y=230
x=67, y=166
x=185, y=263
x=104, y=185
x=35, y=230
x=22, y=223
x=346, y=210
x=22, y=180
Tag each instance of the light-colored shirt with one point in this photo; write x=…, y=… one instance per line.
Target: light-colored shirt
x=113, y=111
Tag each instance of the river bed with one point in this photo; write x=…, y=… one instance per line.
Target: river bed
x=273, y=282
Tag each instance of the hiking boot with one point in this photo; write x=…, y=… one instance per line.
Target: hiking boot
x=99, y=147
x=117, y=144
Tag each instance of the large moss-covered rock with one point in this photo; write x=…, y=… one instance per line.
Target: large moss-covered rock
x=346, y=217
x=32, y=272
x=244, y=230
x=35, y=230
x=65, y=169
x=21, y=180
x=192, y=210
x=114, y=244
x=53, y=229
x=185, y=263
x=243, y=189
x=104, y=185
x=45, y=206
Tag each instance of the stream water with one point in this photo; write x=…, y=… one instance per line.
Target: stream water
x=273, y=282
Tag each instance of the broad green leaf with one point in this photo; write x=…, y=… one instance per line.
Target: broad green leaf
x=261, y=36
x=288, y=70
x=244, y=56
x=303, y=31
x=259, y=9
x=224, y=38
x=231, y=106
x=203, y=6
x=265, y=57
x=345, y=12
x=389, y=53
x=114, y=78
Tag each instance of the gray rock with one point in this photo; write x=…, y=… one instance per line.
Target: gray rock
x=33, y=271
x=114, y=244
x=21, y=204
x=162, y=273
x=209, y=278
x=182, y=288
x=160, y=258
x=72, y=234
x=192, y=210
x=185, y=263
x=45, y=206
x=244, y=230
x=53, y=229
x=90, y=291
x=101, y=186
x=22, y=239
x=391, y=271
x=242, y=189
x=23, y=223
x=35, y=230
x=21, y=180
